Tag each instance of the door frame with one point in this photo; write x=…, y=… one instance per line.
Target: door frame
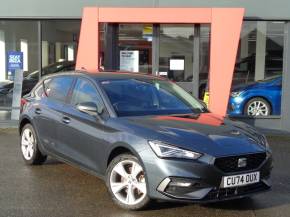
x=111, y=49
x=225, y=24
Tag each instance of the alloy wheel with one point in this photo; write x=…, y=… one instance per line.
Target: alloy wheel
x=258, y=108
x=27, y=144
x=127, y=182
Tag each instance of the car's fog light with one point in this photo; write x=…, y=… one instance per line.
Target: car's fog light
x=183, y=182
x=180, y=184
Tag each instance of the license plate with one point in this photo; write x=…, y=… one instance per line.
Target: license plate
x=240, y=180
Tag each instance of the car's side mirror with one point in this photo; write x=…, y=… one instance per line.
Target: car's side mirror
x=90, y=108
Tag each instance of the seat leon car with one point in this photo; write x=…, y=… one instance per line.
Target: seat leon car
x=145, y=136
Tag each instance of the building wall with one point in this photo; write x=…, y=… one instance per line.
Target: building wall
x=72, y=9
x=255, y=9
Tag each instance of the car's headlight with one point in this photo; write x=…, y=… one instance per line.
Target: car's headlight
x=236, y=93
x=168, y=151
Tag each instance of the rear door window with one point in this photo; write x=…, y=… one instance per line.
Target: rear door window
x=57, y=88
x=39, y=91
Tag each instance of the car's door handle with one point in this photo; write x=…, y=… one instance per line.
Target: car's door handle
x=37, y=111
x=66, y=120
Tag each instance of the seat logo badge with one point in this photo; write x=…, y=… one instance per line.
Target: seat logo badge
x=235, y=132
x=242, y=162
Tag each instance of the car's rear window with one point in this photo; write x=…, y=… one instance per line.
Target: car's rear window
x=57, y=88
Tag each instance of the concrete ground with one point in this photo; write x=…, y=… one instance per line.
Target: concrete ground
x=56, y=189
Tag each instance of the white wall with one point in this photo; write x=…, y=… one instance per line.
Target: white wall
x=260, y=9
x=19, y=36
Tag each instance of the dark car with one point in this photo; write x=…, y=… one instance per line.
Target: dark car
x=145, y=136
x=6, y=89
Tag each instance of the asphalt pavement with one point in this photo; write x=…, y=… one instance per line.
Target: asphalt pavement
x=55, y=189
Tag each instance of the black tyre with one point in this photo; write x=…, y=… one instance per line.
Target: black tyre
x=257, y=107
x=29, y=146
x=126, y=182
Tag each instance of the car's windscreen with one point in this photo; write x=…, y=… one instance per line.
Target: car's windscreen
x=133, y=97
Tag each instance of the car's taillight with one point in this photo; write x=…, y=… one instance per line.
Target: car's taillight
x=22, y=104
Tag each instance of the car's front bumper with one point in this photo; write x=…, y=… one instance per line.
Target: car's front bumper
x=236, y=106
x=197, y=181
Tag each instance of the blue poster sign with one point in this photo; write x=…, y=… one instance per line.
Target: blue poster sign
x=15, y=60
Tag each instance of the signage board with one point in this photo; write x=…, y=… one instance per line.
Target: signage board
x=15, y=60
x=129, y=60
x=176, y=64
x=15, y=66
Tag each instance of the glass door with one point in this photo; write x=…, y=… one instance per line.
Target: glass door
x=171, y=51
x=176, y=60
x=135, y=47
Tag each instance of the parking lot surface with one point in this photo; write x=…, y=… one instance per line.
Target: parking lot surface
x=57, y=189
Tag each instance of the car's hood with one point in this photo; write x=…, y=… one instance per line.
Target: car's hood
x=248, y=86
x=206, y=133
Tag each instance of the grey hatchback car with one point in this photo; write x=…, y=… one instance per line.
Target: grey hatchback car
x=145, y=136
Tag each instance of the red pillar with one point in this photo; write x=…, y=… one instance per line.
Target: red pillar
x=88, y=50
x=225, y=35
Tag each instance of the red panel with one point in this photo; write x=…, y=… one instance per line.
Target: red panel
x=212, y=120
x=225, y=34
x=88, y=50
x=155, y=15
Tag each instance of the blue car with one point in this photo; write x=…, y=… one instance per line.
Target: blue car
x=261, y=98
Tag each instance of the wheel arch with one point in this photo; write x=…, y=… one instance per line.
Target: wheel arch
x=119, y=149
x=23, y=121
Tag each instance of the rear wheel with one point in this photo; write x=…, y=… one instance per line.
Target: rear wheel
x=126, y=182
x=257, y=107
x=29, y=146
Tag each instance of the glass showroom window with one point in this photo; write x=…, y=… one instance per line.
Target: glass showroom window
x=204, y=59
x=176, y=52
x=16, y=36
x=183, y=53
x=257, y=80
x=59, y=45
x=135, y=47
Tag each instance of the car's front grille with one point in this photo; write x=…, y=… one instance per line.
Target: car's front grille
x=231, y=164
x=223, y=193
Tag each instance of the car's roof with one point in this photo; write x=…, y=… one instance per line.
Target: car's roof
x=108, y=75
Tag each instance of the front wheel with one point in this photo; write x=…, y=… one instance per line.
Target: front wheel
x=257, y=107
x=29, y=146
x=126, y=182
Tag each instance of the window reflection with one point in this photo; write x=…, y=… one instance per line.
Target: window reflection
x=20, y=36
x=256, y=86
x=176, y=52
x=135, y=47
